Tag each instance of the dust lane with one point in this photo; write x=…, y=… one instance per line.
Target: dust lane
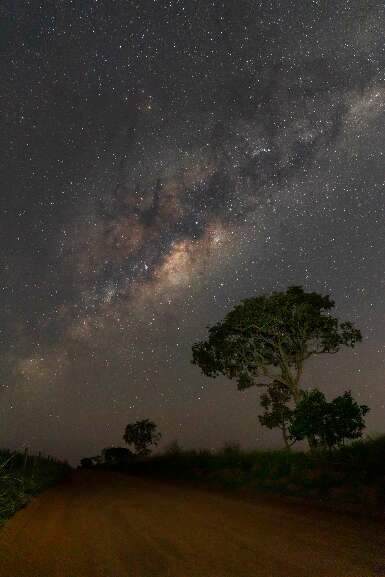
x=98, y=524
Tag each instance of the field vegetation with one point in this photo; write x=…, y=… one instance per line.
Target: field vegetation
x=351, y=477
x=23, y=475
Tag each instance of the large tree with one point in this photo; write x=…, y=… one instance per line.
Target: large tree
x=269, y=338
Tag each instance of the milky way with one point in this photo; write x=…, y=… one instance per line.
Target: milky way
x=160, y=161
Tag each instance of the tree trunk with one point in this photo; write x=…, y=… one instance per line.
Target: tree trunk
x=296, y=393
x=285, y=436
x=312, y=443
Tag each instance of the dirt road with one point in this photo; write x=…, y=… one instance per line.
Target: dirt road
x=111, y=525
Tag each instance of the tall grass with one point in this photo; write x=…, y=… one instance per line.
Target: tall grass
x=352, y=475
x=22, y=476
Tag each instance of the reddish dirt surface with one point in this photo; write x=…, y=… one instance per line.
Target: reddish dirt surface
x=99, y=524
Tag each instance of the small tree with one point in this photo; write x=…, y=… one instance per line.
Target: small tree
x=346, y=420
x=309, y=419
x=87, y=462
x=327, y=425
x=116, y=455
x=141, y=435
x=277, y=414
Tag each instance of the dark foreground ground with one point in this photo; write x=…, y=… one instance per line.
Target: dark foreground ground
x=100, y=524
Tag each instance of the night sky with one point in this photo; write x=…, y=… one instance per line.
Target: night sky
x=159, y=162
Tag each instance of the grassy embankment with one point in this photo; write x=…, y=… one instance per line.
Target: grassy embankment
x=352, y=477
x=22, y=476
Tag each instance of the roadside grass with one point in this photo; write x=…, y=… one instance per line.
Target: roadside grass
x=352, y=477
x=22, y=476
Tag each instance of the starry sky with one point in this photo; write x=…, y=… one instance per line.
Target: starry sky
x=161, y=160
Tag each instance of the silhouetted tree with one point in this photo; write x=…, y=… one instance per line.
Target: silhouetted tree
x=308, y=420
x=267, y=339
x=117, y=455
x=271, y=337
x=327, y=424
x=141, y=435
x=346, y=419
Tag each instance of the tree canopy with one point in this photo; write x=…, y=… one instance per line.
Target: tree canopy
x=327, y=424
x=141, y=435
x=268, y=339
x=116, y=455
